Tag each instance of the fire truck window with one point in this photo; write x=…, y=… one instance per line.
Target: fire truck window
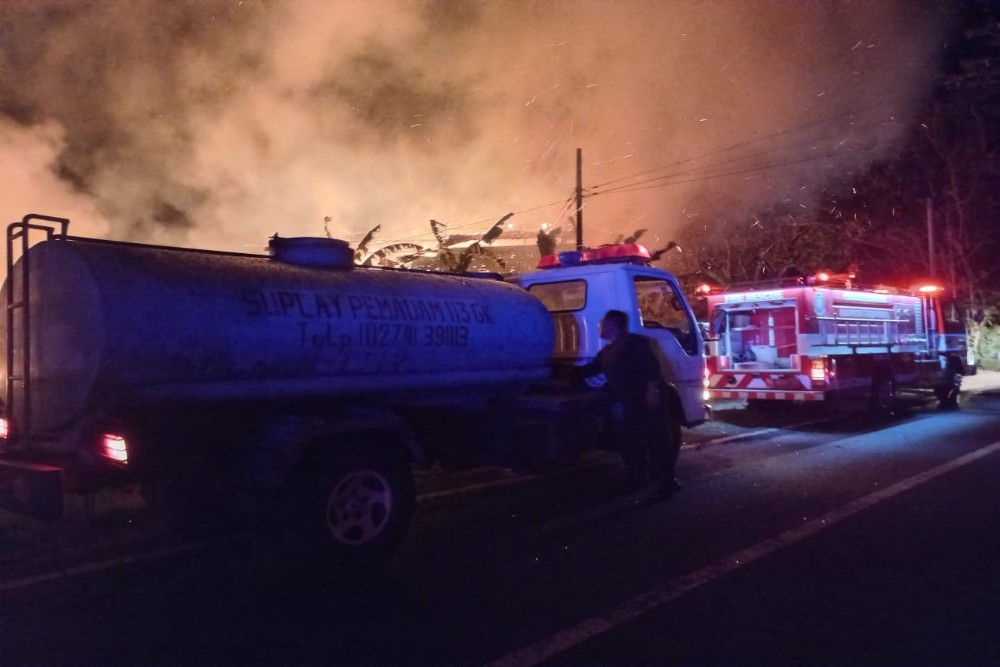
x=660, y=308
x=756, y=336
x=562, y=296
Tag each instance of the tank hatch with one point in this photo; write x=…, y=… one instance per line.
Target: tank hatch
x=315, y=251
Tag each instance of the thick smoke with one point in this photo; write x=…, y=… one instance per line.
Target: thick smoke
x=218, y=123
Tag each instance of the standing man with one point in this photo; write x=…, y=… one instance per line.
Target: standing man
x=638, y=409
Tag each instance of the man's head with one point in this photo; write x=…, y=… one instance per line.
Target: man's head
x=613, y=325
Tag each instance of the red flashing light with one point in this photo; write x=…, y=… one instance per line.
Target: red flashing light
x=703, y=289
x=930, y=289
x=549, y=261
x=621, y=252
x=822, y=276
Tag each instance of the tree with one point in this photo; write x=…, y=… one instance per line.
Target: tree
x=388, y=255
x=459, y=261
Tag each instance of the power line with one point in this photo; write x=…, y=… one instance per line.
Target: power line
x=595, y=190
x=750, y=142
x=734, y=172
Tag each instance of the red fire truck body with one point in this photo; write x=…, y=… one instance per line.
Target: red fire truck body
x=807, y=340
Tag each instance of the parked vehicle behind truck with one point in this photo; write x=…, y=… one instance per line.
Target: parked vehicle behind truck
x=821, y=338
x=296, y=377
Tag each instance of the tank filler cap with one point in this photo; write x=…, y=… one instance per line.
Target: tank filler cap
x=318, y=251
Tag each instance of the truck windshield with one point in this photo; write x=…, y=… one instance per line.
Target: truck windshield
x=661, y=308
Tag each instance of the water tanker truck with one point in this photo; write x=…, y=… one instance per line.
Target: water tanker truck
x=295, y=376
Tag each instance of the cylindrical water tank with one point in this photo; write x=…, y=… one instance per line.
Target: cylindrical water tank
x=118, y=324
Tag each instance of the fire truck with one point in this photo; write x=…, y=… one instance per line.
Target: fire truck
x=820, y=338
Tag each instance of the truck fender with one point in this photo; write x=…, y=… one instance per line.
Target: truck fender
x=286, y=439
x=672, y=403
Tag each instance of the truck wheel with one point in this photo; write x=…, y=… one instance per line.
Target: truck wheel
x=356, y=505
x=947, y=392
x=883, y=398
x=663, y=455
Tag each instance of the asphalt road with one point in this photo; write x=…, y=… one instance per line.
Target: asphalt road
x=819, y=540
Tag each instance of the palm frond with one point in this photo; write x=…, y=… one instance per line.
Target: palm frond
x=389, y=250
x=636, y=235
x=363, y=245
x=496, y=230
x=438, y=229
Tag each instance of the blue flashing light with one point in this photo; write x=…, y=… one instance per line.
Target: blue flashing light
x=570, y=258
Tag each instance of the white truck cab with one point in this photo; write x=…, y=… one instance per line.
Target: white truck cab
x=578, y=288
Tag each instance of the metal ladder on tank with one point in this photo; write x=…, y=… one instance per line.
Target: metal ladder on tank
x=17, y=293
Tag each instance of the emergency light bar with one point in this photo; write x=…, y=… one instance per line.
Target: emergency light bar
x=634, y=253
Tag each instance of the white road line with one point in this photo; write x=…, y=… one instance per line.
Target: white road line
x=751, y=434
x=544, y=649
x=520, y=478
x=524, y=478
x=112, y=563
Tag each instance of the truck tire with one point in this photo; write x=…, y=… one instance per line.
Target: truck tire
x=947, y=392
x=355, y=505
x=883, y=403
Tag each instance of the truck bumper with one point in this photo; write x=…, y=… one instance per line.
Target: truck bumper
x=33, y=489
x=773, y=395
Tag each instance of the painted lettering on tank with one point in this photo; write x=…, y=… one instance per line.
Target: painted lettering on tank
x=308, y=304
x=408, y=309
x=383, y=322
x=288, y=303
x=382, y=334
x=445, y=335
x=322, y=334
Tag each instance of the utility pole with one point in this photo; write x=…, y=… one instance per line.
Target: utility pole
x=930, y=237
x=579, y=199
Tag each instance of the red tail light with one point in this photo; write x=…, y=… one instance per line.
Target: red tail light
x=818, y=372
x=114, y=447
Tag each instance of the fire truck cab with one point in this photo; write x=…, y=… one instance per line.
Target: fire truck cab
x=816, y=338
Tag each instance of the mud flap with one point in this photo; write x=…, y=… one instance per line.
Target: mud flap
x=32, y=489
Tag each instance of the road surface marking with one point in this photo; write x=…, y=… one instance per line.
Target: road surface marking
x=760, y=431
x=562, y=641
x=521, y=478
x=99, y=566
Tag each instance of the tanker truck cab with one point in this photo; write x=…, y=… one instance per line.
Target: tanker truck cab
x=578, y=288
